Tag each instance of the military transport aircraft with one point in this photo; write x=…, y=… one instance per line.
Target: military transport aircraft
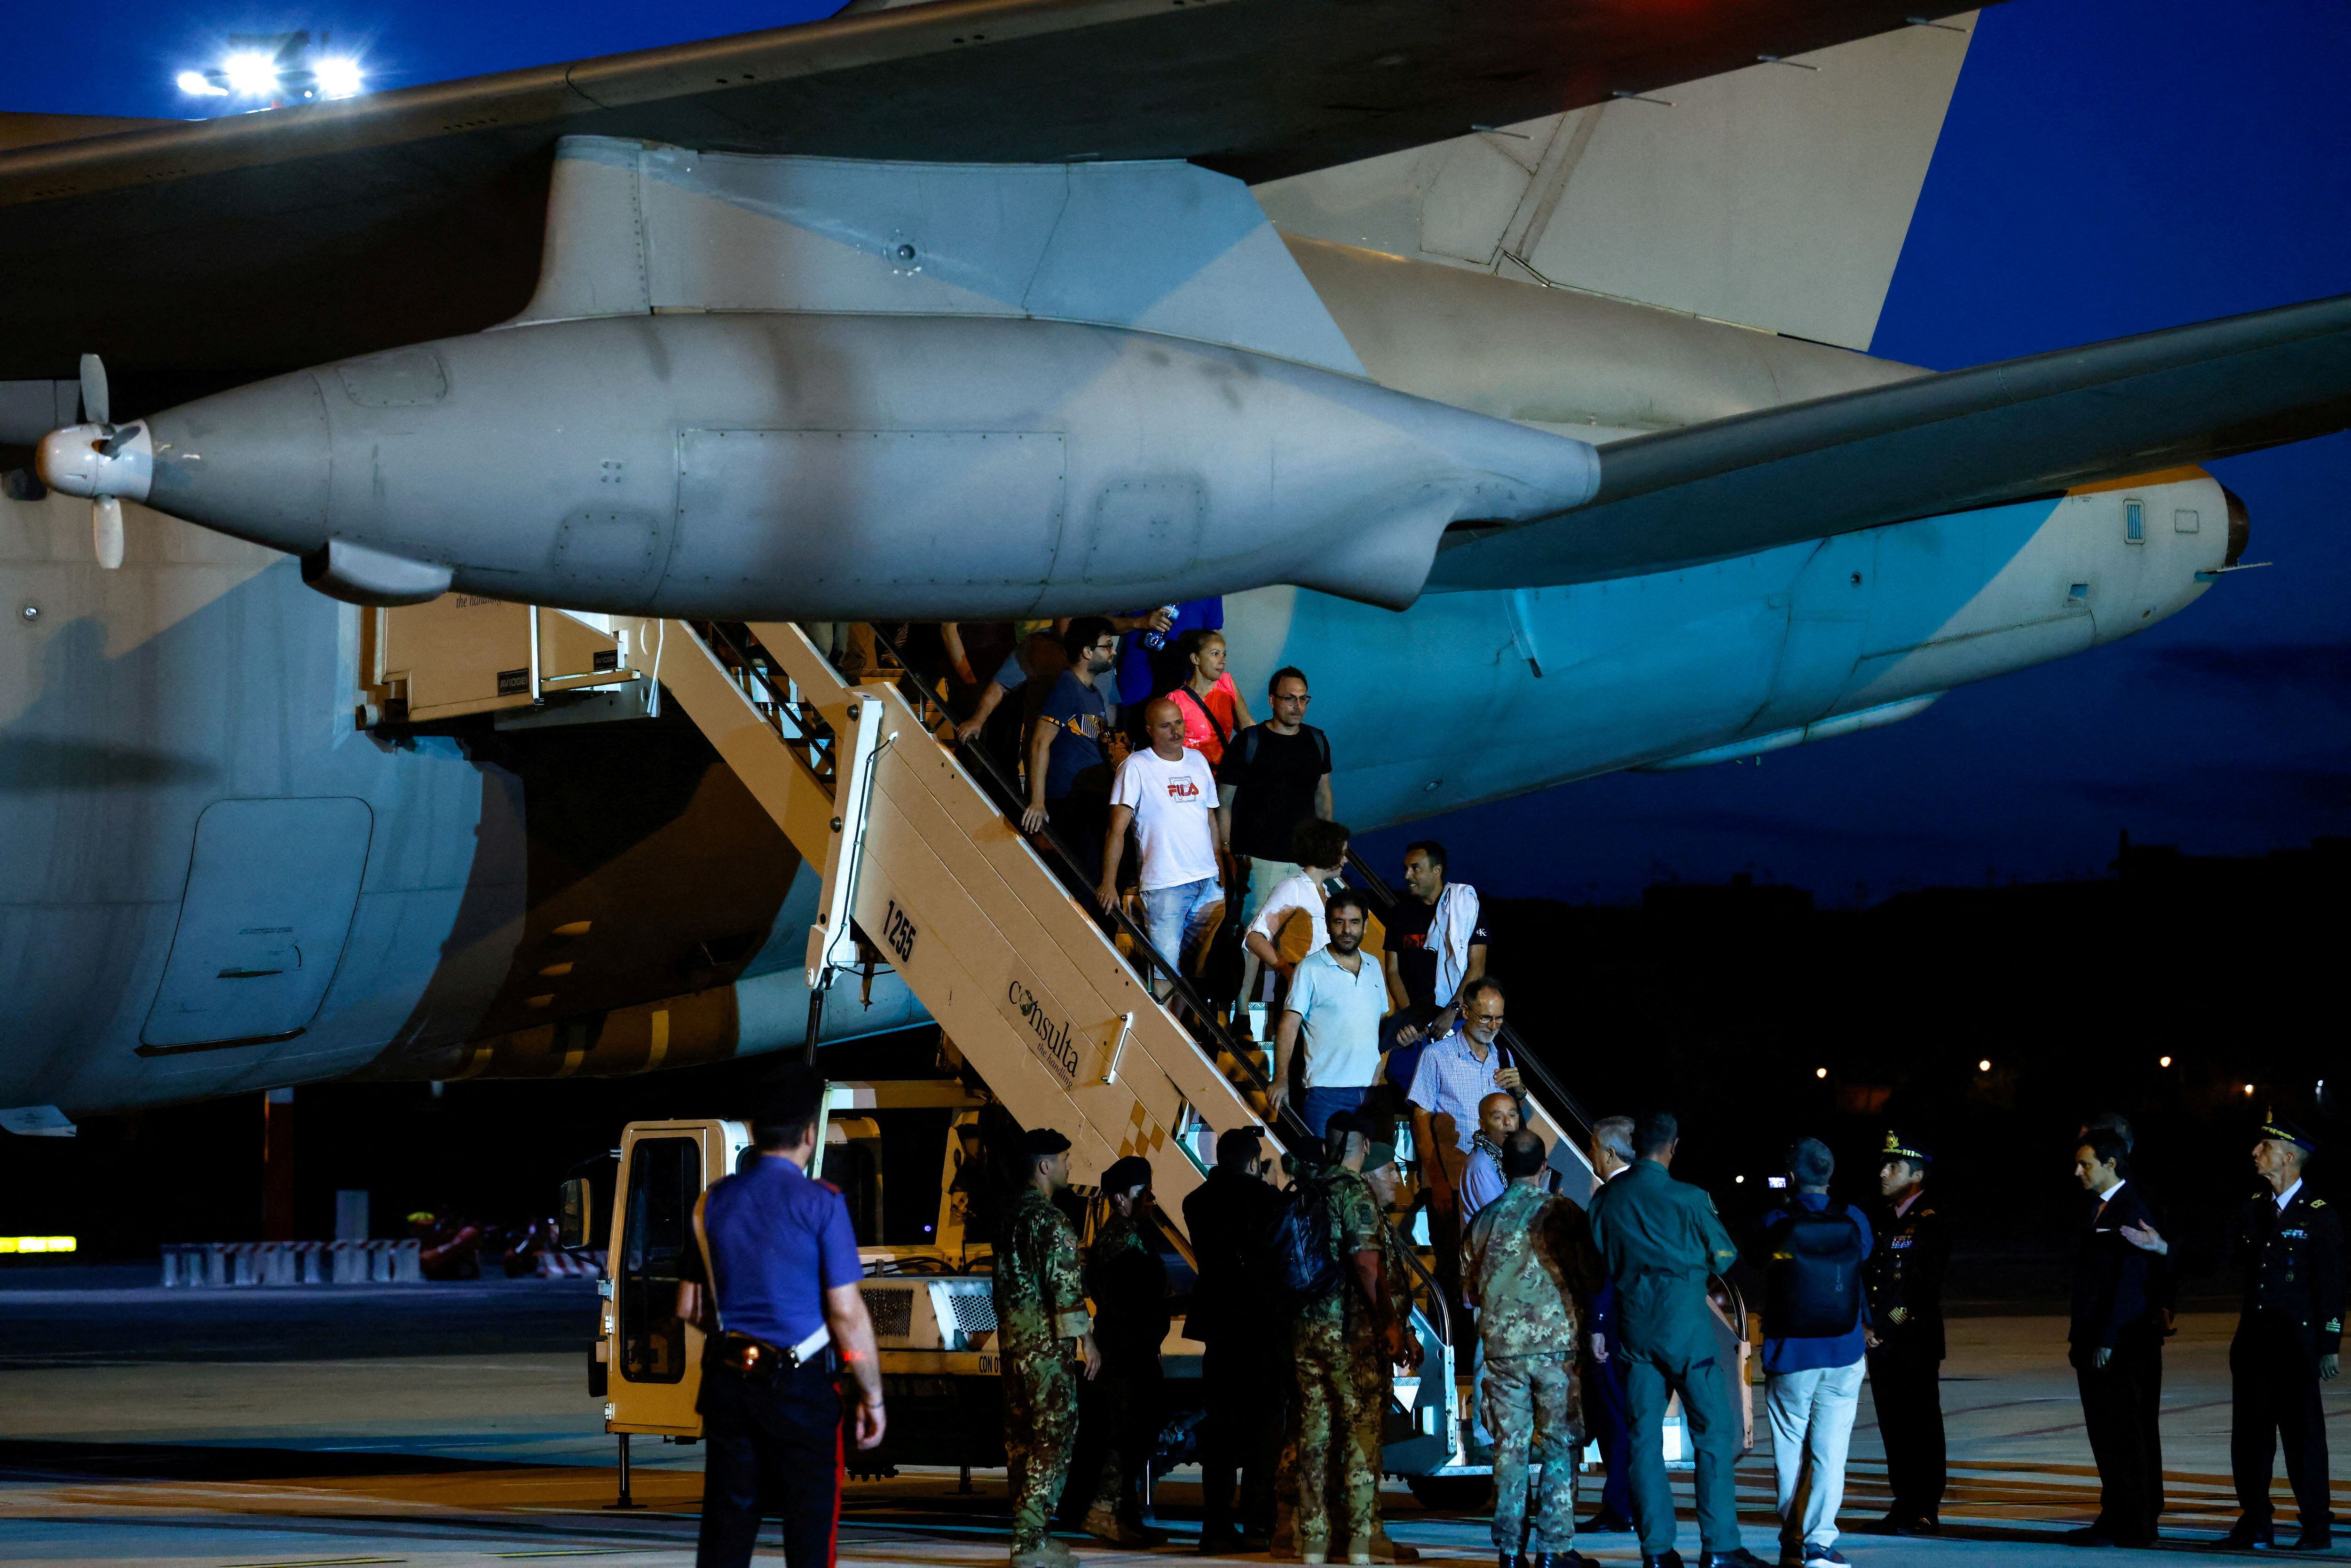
x=1501, y=363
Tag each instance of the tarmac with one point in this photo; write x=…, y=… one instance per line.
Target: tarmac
x=448, y=1425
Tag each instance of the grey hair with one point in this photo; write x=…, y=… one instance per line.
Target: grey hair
x=1615, y=1133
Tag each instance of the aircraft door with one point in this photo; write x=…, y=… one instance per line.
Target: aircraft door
x=272, y=887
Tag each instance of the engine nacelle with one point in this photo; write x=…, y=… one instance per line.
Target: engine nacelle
x=830, y=466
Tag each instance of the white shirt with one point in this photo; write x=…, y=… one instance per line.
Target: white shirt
x=1290, y=894
x=2287, y=1196
x=1175, y=806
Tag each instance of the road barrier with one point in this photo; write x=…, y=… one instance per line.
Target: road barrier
x=227, y=1264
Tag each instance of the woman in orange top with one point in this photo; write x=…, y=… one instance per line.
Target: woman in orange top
x=1211, y=705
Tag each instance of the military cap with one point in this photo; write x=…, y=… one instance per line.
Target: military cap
x=1379, y=1155
x=1042, y=1141
x=1902, y=1146
x=2286, y=1131
x=1131, y=1171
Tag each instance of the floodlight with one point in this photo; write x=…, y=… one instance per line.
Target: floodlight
x=254, y=75
x=338, y=78
x=197, y=83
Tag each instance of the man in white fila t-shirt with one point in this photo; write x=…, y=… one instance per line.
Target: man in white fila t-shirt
x=1169, y=793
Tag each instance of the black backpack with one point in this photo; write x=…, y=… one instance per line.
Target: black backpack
x=1298, y=1246
x=1814, y=1288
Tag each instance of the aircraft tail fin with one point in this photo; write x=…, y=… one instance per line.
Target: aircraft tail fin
x=1777, y=196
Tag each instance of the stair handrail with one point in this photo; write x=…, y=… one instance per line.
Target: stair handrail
x=1289, y=1127
x=1301, y=1141
x=1554, y=1096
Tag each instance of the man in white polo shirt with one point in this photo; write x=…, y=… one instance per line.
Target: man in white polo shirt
x=1169, y=793
x=1336, y=998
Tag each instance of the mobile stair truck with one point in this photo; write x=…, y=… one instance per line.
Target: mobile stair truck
x=1059, y=1016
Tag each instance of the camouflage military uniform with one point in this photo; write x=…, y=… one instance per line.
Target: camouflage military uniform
x=1341, y=1382
x=1527, y=1260
x=1040, y=1307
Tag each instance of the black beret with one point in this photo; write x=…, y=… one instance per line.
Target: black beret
x=1132, y=1171
x=1042, y=1141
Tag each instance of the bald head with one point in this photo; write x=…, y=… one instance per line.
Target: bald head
x=1163, y=722
x=1498, y=1117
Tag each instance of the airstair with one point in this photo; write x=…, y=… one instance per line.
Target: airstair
x=924, y=874
x=1067, y=1013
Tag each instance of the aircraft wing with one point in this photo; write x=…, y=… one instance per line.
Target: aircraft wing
x=1939, y=444
x=211, y=252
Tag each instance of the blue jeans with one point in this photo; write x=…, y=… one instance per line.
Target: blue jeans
x=1320, y=1104
x=1175, y=916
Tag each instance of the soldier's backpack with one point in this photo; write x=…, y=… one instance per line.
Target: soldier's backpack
x=1813, y=1283
x=1303, y=1270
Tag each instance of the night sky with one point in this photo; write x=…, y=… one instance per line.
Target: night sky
x=2107, y=168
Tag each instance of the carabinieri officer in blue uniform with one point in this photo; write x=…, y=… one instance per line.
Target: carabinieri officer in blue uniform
x=779, y=1248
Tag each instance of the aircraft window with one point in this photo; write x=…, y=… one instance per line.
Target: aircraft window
x=2135, y=522
x=664, y=1179
x=2185, y=522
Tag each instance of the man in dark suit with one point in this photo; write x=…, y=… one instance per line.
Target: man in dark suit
x=2117, y=1346
x=1245, y=1373
x=1607, y=1410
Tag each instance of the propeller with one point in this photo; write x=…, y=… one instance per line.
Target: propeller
x=96, y=406
x=105, y=510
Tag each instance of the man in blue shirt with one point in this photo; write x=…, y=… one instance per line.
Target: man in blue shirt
x=1068, y=775
x=1815, y=1323
x=781, y=1263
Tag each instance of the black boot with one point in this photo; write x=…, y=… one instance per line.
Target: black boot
x=1668, y=1558
x=2249, y=1534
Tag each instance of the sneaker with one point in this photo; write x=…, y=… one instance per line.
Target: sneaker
x=1828, y=1555
x=1047, y=1554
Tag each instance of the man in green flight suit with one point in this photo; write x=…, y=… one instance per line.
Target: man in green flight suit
x=1046, y=1336
x=1660, y=1240
x=1342, y=1344
x=1529, y=1265
x=1126, y=1404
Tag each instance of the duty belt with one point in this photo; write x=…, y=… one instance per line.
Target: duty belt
x=755, y=1359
